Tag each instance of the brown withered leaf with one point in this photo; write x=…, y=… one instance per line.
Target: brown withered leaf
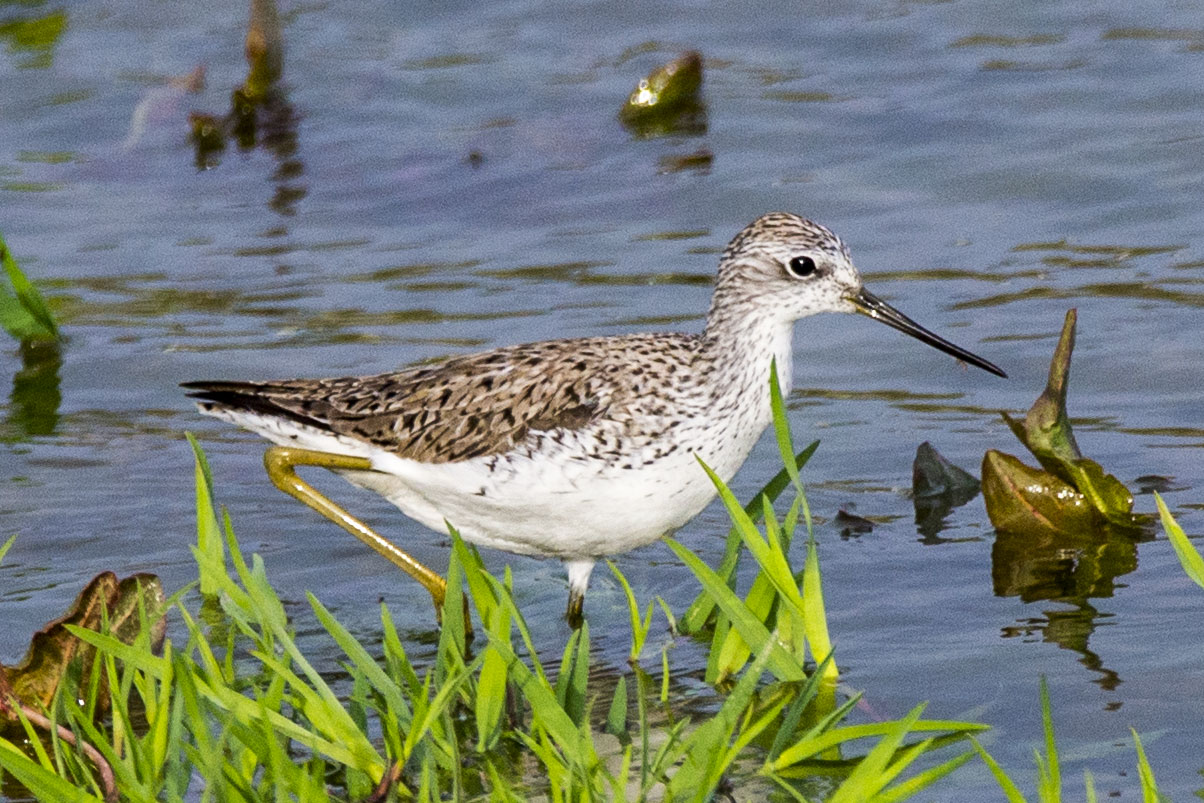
x=106, y=604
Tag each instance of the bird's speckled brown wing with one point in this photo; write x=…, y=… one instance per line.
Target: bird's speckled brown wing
x=472, y=406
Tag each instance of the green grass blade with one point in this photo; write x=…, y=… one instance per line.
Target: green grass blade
x=33, y=775
x=767, y=552
x=701, y=609
x=211, y=551
x=474, y=570
x=4, y=549
x=380, y=681
x=814, y=743
x=873, y=772
x=703, y=766
x=639, y=627
x=326, y=714
x=453, y=638
x=616, y=715
x=1051, y=786
x=781, y=427
x=1189, y=556
x=574, y=674
x=438, y=705
x=544, y=706
x=752, y=630
x=1010, y=790
x=1149, y=787
x=922, y=780
x=506, y=598
x=23, y=312
x=132, y=654
x=491, y=687
x=815, y=618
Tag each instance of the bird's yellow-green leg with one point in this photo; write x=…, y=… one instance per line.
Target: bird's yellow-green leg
x=281, y=463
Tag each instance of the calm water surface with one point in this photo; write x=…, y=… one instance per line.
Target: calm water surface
x=451, y=177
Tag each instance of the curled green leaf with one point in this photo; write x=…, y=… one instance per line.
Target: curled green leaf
x=1021, y=498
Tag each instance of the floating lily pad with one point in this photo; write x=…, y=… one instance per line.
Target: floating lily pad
x=1069, y=493
x=105, y=604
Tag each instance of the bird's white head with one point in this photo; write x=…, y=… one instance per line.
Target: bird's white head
x=782, y=267
x=788, y=266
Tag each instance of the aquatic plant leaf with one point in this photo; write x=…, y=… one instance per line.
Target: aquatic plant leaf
x=1068, y=479
x=815, y=618
x=104, y=603
x=1107, y=495
x=1149, y=786
x=669, y=85
x=667, y=99
x=1046, y=429
x=23, y=311
x=264, y=49
x=36, y=393
x=703, y=607
x=1010, y=791
x=1024, y=499
x=1049, y=784
x=781, y=663
x=616, y=715
x=34, y=37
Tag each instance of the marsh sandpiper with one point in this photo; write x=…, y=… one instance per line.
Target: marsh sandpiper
x=573, y=449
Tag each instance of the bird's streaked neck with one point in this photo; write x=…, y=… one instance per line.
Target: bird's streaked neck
x=740, y=341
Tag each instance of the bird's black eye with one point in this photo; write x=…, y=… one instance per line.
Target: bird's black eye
x=802, y=266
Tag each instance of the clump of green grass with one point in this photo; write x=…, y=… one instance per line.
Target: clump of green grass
x=234, y=710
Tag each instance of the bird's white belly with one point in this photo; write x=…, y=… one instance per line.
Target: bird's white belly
x=571, y=508
x=558, y=500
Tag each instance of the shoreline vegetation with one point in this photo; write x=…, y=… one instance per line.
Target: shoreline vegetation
x=239, y=712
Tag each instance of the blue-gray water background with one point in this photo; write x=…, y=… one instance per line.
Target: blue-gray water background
x=453, y=177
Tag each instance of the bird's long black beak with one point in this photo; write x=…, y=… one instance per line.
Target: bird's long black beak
x=869, y=304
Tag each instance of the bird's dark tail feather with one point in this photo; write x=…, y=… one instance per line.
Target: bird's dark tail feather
x=251, y=397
